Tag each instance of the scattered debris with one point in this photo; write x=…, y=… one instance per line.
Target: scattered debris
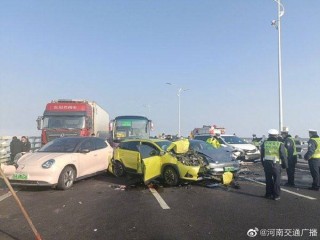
x=119, y=187
x=214, y=185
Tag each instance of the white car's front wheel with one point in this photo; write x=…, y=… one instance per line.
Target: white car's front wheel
x=66, y=178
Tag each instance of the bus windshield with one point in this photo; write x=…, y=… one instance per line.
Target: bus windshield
x=131, y=128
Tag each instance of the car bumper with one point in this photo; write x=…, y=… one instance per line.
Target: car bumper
x=30, y=183
x=252, y=156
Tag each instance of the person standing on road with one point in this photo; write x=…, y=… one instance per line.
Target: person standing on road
x=26, y=145
x=290, y=145
x=313, y=157
x=15, y=147
x=273, y=157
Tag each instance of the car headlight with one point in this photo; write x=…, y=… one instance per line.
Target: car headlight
x=48, y=163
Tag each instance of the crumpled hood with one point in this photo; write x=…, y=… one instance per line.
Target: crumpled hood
x=219, y=155
x=37, y=158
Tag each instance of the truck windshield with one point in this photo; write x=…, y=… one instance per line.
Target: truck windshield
x=131, y=128
x=64, y=122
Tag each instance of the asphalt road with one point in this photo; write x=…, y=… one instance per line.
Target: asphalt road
x=97, y=208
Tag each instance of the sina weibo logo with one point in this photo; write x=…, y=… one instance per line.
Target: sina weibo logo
x=252, y=232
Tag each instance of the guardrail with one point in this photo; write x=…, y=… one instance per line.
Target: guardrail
x=5, y=146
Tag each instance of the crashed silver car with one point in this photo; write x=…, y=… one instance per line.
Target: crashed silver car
x=219, y=160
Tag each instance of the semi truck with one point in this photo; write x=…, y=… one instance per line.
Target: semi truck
x=71, y=117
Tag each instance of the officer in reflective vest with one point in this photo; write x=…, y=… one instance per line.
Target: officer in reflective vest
x=214, y=142
x=273, y=157
x=313, y=157
x=290, y=146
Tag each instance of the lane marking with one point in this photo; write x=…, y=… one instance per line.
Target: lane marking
x=282, y=189
x=4, y=196
x=162, y=203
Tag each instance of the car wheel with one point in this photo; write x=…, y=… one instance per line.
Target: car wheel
x=170, y=176
x=66, y=178
x=118, y=169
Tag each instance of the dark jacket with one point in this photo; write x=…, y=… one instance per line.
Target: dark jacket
x=26, y=146
x=290, y=146
x=15, y=146
x=282, y=152
x=312, y=146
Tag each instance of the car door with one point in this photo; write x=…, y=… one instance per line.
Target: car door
x=130, y=156
x=104, y=153
x=151, y=160
x=88, y=160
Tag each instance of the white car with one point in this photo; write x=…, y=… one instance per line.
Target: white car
x=251, y=152
x=62, y=161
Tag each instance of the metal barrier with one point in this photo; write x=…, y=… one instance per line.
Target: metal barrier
x=5, y=146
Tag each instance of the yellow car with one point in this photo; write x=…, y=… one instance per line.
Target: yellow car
x=157, y=158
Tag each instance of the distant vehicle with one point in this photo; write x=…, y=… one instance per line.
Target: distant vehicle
x=69, y=118
x=251, y=152
x=128, y=127
x=62, y=161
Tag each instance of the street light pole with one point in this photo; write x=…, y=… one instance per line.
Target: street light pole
x=179, y=107
x=277, y=25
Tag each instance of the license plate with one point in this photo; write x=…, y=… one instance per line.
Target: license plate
x=20, y=176
x=228, y=169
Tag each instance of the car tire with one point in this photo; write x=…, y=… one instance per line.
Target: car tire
x=66, y=178
x=170, y=176
x=118, y=169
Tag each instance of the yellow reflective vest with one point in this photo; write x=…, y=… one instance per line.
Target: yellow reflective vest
x=271, y=151
x=316, y=153
x=214, y=142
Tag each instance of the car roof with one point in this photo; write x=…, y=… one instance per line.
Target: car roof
x=146, y=140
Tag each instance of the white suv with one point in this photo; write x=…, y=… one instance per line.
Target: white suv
x=251, y=151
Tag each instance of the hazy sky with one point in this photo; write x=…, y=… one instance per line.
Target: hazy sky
x=120, y=53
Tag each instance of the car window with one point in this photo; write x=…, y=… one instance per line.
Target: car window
x=233, y=140
x=88, y=144
x=203, y=138
x=132, y=145
x=147, y=150
x=163, y=144
x=100, y=143
x=61, y=145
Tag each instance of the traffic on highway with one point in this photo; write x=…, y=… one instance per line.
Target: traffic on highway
x=152, y=188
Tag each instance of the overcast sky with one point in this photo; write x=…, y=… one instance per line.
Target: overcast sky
x=120, y=53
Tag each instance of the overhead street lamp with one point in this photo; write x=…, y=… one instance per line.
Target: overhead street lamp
x=180, y=90
x=277, y=25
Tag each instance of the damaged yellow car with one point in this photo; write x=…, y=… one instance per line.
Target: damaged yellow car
x=159, y=158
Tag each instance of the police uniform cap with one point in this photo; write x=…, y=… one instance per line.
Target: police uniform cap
x=273, y=132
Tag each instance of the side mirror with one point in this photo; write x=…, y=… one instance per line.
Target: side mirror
x=162, y=153
x=39, y=123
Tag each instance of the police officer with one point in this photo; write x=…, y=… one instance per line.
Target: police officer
x=273, y=157
x=214, y=141
x=313, y=157
x=290, y=145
